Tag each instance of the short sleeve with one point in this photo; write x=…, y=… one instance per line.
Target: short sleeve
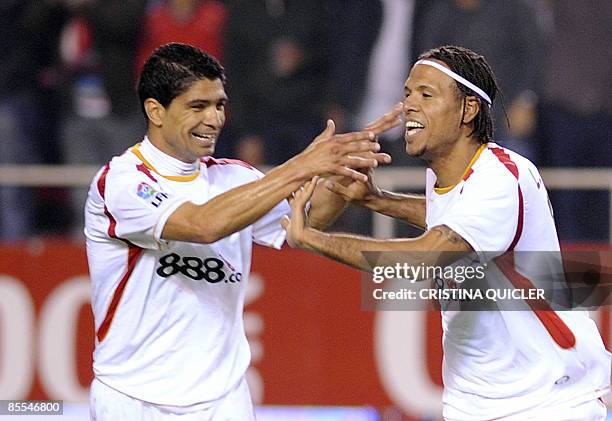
x=486, y=212
x=137, y=206
x=268, y=231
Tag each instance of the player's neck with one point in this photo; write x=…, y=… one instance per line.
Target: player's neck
x=164, y=163
x=450, y=167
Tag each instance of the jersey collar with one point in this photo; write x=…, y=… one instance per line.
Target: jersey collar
x=442, y=190
x=136, y=150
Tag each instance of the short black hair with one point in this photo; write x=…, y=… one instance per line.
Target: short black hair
x=172, y=69
x=473, y=67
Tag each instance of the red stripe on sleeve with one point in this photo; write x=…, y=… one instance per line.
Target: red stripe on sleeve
x=134, y=254
x=102, y=180
x=210, y=161
x=506, y=160
x=519, y=224
x=101, y=189
x=112, y=222
x=467, y=174
x=143, y=169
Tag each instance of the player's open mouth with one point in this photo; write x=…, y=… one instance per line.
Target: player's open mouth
x=413, y=127
x=204, y=139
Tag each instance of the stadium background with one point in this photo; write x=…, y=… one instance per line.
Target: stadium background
x=313, y=348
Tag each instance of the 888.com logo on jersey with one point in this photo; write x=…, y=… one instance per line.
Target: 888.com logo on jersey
x=211, y=269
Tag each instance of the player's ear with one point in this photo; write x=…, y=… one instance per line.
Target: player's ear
x=155, y=111
x=471, y=108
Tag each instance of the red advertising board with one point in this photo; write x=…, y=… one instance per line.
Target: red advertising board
x=311, y=342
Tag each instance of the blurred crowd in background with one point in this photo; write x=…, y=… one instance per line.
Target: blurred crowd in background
x=69, y=69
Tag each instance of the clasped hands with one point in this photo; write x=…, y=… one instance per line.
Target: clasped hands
x=349, y=176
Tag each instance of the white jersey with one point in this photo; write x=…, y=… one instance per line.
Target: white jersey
x=169, y=314
x=500, y=363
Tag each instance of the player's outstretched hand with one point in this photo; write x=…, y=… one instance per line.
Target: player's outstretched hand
x=298, y=223
x=387, y=121
x=355, y=191
x=340, y=154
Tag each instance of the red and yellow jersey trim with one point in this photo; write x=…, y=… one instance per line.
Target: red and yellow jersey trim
x=468, y=171
x=183, y=178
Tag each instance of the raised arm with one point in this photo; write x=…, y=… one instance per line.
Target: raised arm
x=342, y=190
x=327, y=204
x=232, y=211
x=347, y=248
x=409, y=208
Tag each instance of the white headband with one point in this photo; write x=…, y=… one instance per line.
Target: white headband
x=458, y=78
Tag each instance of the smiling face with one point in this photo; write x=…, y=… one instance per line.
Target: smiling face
x=191, y=123
x=432, y=112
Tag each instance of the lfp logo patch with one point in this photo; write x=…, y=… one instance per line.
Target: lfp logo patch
x=145, y=191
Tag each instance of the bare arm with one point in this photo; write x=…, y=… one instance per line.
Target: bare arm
x=408, y=207
x=325, y=207
x=348, y=248
x=240, y=207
